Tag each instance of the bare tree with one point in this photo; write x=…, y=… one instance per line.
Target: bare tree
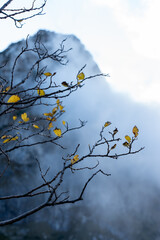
x=20, y=14
x=26, y=130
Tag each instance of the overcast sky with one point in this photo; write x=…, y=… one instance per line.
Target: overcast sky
x=122, y=35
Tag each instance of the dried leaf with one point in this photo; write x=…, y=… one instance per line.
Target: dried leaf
x=128, y=138
x=24, y=117
x=47, y=74
x=115, y=131
x=126, y=144
x=57, y=131
x=10, y=139
x=58, y=101
x=50, y=125
x=48, y=114
x=81, y=76
x=14, y=118
x=107, y=124
x=20, y=20
x=61, y=107
x=4, y=136
x=14, y=138
x=75, y=159
x=40, y=92
x=49, y=119
x=54, y=110
x=63, y=122
x=7, y=89
x=14, y=99
x=7, y=140
x=135, y=131
x=53, y=119
x=35, y=126
x=113, y=146
x=65, y=84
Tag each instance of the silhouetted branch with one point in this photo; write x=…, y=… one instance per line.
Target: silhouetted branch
x=25, y=129
x=19, y=15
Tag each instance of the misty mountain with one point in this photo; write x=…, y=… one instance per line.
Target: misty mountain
x=125, y=205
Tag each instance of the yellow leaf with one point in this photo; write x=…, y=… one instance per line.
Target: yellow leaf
x=107, y=124
x=14, y=118
x=80, y=76
x=53, y=119
x=14, y=138
x=75, y=159
x=13, y=99
x=7, y=89
x=57, y=132
x=126, y=144
x=35, y=126
x=113, y=146
x=135, y=131
x=24, y=117
x=54, y=110
x=48, y=114
x=61, y=107
x=63, y=122
x=65, y=84
x=128, y=138
x=57, y=101
x=4, y=136
x=10, y=139
x=50, y=125
x=40, y=92
x=47, y=74
x=49, y=119
x=7, y=140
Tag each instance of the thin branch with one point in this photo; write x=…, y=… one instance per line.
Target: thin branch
x=5, y=5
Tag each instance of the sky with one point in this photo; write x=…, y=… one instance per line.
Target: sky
x=122, y=35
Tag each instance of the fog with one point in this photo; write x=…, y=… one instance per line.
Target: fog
x=127, y=202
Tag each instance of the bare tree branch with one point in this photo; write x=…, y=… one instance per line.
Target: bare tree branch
x=19, y=15
x=22, y=129
x=5, y=5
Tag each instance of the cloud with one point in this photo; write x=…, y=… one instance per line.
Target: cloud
x=132, y=47
x=122, y=35
x=141, y=25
